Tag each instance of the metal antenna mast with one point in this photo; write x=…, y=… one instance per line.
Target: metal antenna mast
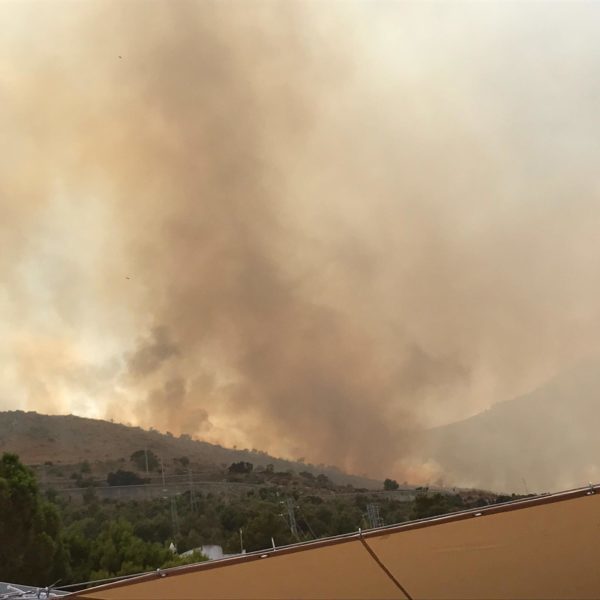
x=289, y=504
x=373, y=515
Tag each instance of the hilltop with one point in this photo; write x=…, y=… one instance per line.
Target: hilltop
x=546, y=440
x=68, y=440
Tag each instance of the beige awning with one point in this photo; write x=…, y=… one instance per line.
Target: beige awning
x=543, y=548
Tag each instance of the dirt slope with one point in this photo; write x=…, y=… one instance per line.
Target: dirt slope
x=69, y=439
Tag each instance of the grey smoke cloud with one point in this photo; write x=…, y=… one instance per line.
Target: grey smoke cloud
x=151, y=352
x=307, y=228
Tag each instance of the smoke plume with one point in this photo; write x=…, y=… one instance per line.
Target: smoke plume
x=309, y=228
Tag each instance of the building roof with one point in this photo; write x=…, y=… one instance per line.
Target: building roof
x=17, y=591
x=539, y=548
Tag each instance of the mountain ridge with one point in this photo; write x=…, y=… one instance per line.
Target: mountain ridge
x=545, y=440
x=70, y=439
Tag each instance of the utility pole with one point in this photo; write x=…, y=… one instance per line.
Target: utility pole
x=162, y=470
x=192, y=494
x=174, y=516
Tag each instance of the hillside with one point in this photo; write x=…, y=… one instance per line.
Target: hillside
x=69, y=440
x=546, y=440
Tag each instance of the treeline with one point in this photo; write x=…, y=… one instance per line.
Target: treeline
x=45, y=537
x=42, y=540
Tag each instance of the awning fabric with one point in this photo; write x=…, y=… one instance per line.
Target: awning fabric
x=536, y=549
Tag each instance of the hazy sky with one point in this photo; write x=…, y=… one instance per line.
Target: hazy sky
x=310, y=228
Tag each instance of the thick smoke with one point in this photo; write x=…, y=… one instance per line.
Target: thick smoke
x=310, y=228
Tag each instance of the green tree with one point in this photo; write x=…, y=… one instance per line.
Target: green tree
x=323, y=480
x=265, y=525
x=139, y=458
x=390, y=485
x=241, y=467
x=121, y=477
x=438, y=504
x=178, y=561
x=232, y=517
x=118, y=551
x=31, y=543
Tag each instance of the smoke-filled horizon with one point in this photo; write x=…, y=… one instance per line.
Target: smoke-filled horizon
x=309, y=228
